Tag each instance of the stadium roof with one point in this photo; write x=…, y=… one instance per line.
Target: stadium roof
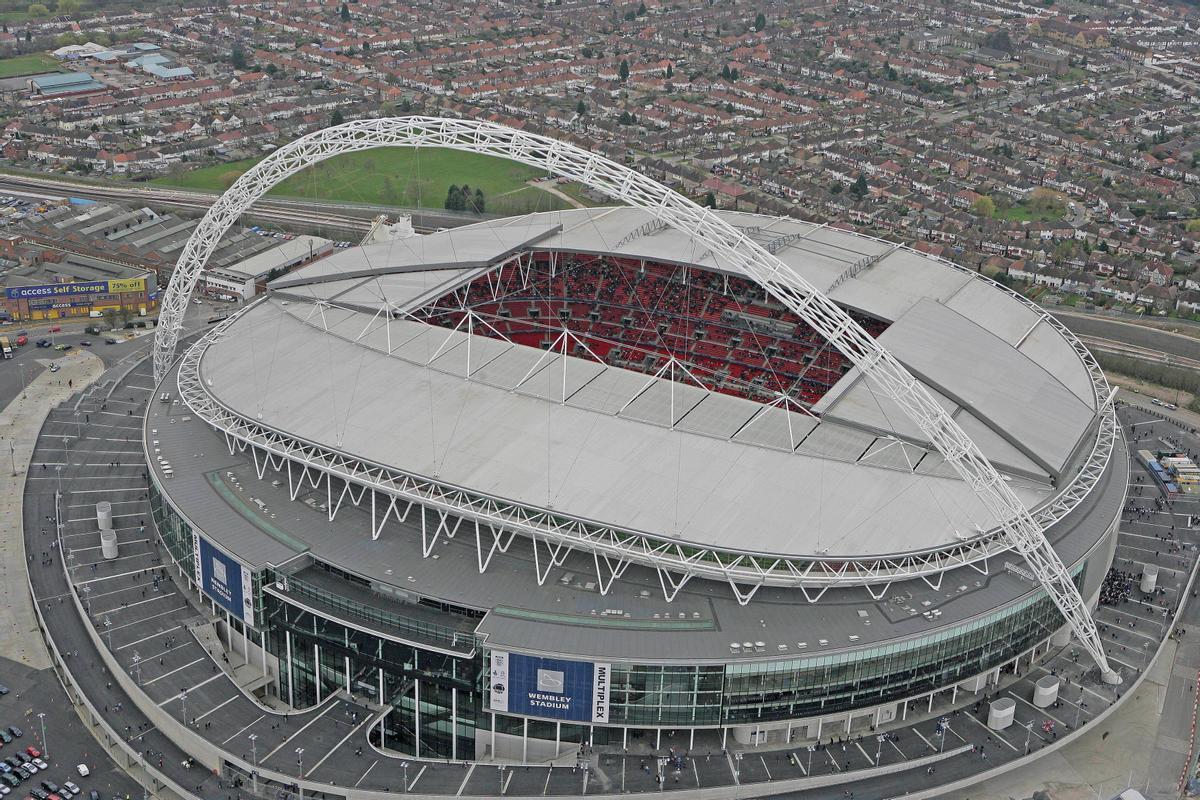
x=596, y=442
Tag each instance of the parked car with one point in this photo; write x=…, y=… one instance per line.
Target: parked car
x=110, y=340
x=43, y=343
x=63, y=347
x=22, y=340
x=83, y=770
x=54, y=367
x=33, y=752
x=15, y=731
x=56, y=329
x=41, y=764
x=85, y=342
x=71, y=787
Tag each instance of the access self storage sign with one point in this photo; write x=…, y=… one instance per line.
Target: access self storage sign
x=555, y=688
x=52, y=290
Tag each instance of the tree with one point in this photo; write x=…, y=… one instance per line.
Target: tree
x=859, y=188
x=733, y=74
x=671, y=74
x=725, y=71
x=480, y=204
x=66, y=6
x=345, y=12
x=454, y=199
x=760, y=22
x=1193, y=225
x=580, y=108
x=366, y=48
x=36, y=10
x=336, y=118
x=641, y=12
x=836, y=188
x=984, y=207
x=626, y=118
x=999, y=40
x=237, y=56
x=710, y=200
x=623, y=71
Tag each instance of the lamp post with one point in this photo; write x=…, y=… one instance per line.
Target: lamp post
x=137, y=670
x=183, y=704
x=1028, y=733
x=300, y=761
x=87, y=598
x=45, y=745
x=254, y=758
x=878, y=749
x=12, y=454
x=811, y=749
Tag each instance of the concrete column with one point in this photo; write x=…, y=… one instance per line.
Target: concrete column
x=692, y=739
x=904, y=712
x=317, y=670
x=657, y=738
x=417, y=716
x=724, y=734
x=381, y=686
x=557, y=737
x=820, y=722
x=525, y=739
x=624, y=738
x=287, y=637
x=245, y=647
x=930, y=711
x=493, y=716
x=954, y=695
x=849, y=718
x=263, y=648
x=454, y=723
x=347, y=674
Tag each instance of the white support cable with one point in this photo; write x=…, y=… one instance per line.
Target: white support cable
x=735, y=250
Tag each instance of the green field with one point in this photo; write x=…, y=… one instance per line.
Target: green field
x=27, y=65
x=403, y=177
x=1023, y=213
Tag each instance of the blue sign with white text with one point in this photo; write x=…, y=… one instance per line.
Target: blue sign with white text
x=554, y=688
x=224, y=579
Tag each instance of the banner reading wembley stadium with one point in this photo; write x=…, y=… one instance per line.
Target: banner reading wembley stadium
x=556, y=688
x=224, y=579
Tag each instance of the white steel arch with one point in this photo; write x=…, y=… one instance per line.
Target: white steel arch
x=725, y=242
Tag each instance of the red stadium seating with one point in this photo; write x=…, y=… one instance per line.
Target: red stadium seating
x=635, y=314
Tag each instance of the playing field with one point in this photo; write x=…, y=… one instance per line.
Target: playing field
x=30, y=64
x=415, y=178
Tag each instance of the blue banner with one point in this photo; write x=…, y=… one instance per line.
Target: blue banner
x=224, y=579
x=56, y=290
x=554, y=688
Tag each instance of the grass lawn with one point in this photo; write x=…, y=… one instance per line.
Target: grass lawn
x=27, y=65
x=397, y=176
x=576, y=190
x=1020, y=213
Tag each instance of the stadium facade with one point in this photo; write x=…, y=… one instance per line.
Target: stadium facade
x=566, y=478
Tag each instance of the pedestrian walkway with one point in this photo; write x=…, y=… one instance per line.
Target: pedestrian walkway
x=20, y=423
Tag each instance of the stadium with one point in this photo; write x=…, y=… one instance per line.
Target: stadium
x=603, y=476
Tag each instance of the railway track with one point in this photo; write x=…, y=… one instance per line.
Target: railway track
x=284, y=212
x=1134, y=351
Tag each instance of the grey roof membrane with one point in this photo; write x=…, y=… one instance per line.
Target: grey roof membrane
x=606, y=454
